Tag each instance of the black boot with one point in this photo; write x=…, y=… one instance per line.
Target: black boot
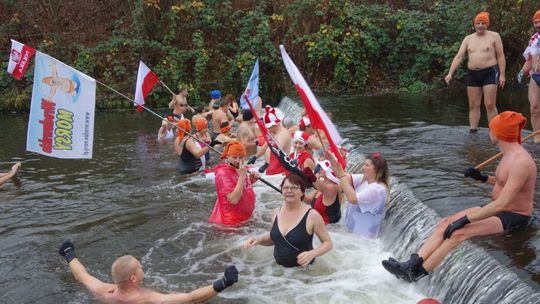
x=396, y=268
x=415, y=270
x=410, y=271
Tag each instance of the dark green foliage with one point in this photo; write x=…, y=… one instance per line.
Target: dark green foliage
x=340, y=45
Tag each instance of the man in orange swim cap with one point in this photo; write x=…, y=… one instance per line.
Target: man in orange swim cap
x=532, y=68
x=510, y=208
x=486, y=69
x=235, y=200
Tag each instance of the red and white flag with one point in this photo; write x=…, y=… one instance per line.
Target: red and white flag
x=146, y=80
x=316, y=114
x=19, y=59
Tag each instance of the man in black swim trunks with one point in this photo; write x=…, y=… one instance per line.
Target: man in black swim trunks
x=486, y=69
x=510, y=208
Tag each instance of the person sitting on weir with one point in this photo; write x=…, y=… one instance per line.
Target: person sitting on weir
x=510, y=208
x=293, y=226
x=127, y=274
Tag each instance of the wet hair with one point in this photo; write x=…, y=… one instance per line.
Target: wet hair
x=297, y=180
x=199, y=109
x=247, y=115
x=122, y=269
x=381, y=168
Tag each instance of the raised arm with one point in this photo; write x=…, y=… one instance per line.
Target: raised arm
x=203, y=294
x=98, y=288
x=234, y=196
x=4, y=177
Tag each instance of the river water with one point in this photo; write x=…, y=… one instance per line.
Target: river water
x=129, y=199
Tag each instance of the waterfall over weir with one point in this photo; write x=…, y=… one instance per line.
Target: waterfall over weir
x=468, y=275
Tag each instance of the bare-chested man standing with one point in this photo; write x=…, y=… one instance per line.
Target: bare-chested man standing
x=179, y=104
x=247, y=132
x=510, y=208
x=127, y=274
x=532, y=68
x=486, y=69
x=220, y=116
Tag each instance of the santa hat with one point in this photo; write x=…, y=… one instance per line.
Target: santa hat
x=301, y=136
x=326, y=167
x=270, y=118
x=304, y=122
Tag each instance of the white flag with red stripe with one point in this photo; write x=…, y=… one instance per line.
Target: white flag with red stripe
x=146, y=80
x=316, y=114
x=19, y=59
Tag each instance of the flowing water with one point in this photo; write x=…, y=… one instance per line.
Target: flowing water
x=129, y=199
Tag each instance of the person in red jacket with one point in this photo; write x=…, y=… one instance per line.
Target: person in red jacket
x=234, y=187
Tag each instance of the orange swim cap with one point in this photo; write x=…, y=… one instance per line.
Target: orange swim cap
x=482, y=17
x=507, y=126
x=200, y=123
x=183, y=125
x=536, y=15
x=234, y=148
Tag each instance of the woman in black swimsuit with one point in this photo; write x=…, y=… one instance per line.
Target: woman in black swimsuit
x=293, y=226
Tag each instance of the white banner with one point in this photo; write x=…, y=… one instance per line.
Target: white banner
x=62, y=111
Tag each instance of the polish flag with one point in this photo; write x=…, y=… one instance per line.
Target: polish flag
x=19, y=59
x=146, y=80
x=316, y=114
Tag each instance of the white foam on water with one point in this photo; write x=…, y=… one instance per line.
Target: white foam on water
x=350, y=273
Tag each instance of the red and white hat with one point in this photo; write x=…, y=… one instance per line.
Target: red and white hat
x=304, y=122
x=301, y=136
x=326, y=167
x=270, y=118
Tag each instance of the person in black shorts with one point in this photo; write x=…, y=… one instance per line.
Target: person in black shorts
x=511, y=206
x=486, y=69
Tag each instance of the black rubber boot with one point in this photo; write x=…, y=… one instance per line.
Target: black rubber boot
x=414, y=269
x=396, y=268
x=410, y=271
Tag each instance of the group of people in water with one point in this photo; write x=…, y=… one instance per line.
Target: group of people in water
x=316, y=197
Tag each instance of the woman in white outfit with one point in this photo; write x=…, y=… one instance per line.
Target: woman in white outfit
x=367, y=194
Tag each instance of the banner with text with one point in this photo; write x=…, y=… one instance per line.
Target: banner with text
x=62, y=111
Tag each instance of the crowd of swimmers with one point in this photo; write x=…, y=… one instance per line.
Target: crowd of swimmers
x=324, y=193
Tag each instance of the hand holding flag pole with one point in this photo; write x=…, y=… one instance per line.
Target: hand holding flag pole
x=316, y=114
x=175, y=126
